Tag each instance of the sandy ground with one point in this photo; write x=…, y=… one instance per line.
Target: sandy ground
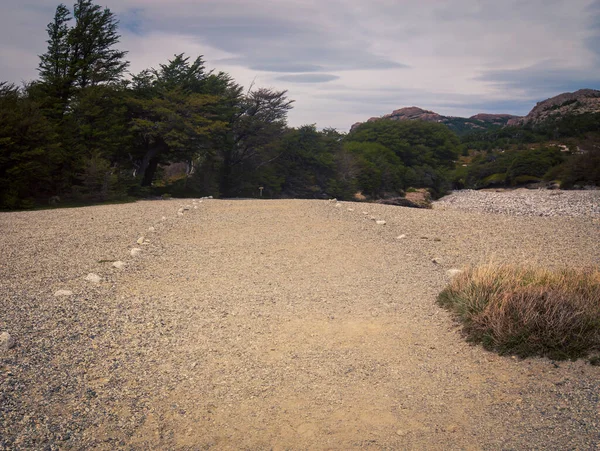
x=274, y=325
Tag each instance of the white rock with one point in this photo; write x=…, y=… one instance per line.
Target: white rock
x=365, y=212
x=209, y=197
x=350, y=209
x=380, y=222
x=119, y=264
x=338, y=205
x=180, y=213
x=187, y=207
x=140, y=240
x=401, y=237
x=135, y=251
x=454, y=272
x=333, y=200
x=94, y=278
x=6, y=342
x=151, y=229
x=436, y=260
x=195, y=207
x=63, y=293
x=164, y=218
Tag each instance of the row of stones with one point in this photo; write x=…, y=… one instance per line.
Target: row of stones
x=7, y=341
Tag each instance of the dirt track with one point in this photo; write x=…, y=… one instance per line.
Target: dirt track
x=274, y=325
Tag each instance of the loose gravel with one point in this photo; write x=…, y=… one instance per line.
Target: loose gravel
x=525, y=202
x=274, y=325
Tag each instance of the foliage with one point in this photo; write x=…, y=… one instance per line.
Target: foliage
x=528, y=310
x=29, y=153
x=509, y=168
x=407, y=153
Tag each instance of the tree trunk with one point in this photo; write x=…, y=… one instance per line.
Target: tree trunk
x=150, y=162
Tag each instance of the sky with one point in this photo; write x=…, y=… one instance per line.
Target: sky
x=345, y=61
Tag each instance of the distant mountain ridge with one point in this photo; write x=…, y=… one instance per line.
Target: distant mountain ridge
x=569, y=103
x=459, y=125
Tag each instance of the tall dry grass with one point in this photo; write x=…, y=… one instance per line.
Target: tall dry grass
x=528, y=310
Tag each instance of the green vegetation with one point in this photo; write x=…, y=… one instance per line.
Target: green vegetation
x=395, y=155
x=528, y=311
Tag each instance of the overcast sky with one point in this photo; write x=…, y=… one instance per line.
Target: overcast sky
x=346, y=61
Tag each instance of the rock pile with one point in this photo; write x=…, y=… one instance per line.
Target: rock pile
x=524, y=202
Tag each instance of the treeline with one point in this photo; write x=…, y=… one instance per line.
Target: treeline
x=87, y=131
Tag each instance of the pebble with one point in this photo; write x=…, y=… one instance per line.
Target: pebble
x=195, y=207
x=180, y=213
x=151, y=229
x=338, y=205
x=6, y=342
x=119, y=264
x=527, y=202
x=63, y=293
x=140, y=240
x=350, y=209
x=94, y=278
x=401, y=237
x=135, y=251
x=436, y=260
x=401, y=433
x=164, y=218
x=380, y=222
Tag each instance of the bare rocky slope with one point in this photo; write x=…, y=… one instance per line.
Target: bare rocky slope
x=458, y=124
x=566, y=104
x=286, y=324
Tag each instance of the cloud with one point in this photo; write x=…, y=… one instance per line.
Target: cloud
x=543, y=79
x=346, y=60
x=308, y=78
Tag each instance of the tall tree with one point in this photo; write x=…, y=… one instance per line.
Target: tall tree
x=54, y=67
x=177, y=110
x=257, y=125
x=94, y=60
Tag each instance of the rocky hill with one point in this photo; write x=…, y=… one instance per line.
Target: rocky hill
x=566, y=104
x=460, y=125
x=569, y=103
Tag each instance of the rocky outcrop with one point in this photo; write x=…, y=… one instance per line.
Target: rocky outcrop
x=568, y=103
x=457, y=124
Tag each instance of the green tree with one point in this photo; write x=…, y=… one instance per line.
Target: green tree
x=93, y=58
x=258, y=121
x=55, y=64
x=28, y=150
x=177, y=112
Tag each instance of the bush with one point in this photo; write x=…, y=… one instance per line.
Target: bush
x=528, y=311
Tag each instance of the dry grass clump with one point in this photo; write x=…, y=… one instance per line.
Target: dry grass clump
x=528, y=310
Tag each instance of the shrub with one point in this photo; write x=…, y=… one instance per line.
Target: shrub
x=528, y=311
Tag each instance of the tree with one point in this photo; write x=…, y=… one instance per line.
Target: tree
x=28, y=150
x=177, y=111
x=93, y=60
x=258, y=121
x=54, y=67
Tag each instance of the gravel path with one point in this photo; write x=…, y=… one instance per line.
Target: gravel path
x=274, y=325
x=525, y=202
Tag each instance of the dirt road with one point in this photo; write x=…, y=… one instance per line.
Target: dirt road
x=275, y=325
